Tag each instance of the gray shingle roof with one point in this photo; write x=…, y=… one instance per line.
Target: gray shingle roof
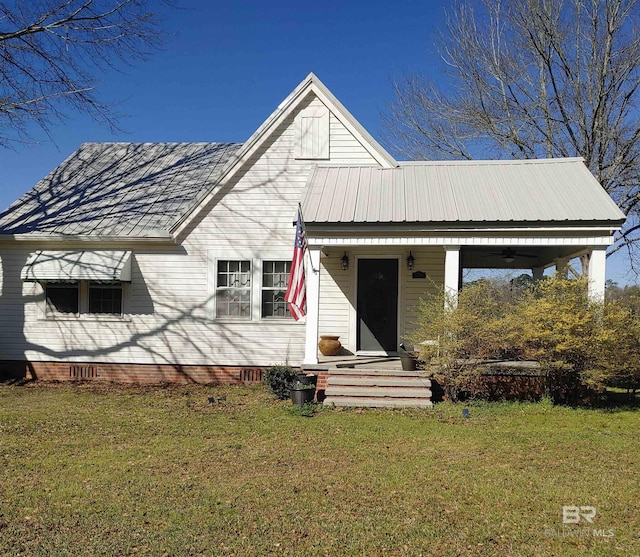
x=119, y=189
x=547, y=190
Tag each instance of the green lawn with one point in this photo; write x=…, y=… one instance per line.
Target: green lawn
x=104, y=470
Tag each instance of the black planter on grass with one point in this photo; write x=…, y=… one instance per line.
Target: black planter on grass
x=302, y=393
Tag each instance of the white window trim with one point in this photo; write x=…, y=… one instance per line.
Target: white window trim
x=212, y=310
x=256, y=261
x=262, y=288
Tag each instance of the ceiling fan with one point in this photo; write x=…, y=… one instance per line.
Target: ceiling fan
x=509, y=255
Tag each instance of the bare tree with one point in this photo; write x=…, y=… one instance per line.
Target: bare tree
x=52, y=51
x=534, y=78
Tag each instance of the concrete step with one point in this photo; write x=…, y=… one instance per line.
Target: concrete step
x=379, y=381
x=377, y=387
x=385, y=392
x=356, y=371
x=378, y=402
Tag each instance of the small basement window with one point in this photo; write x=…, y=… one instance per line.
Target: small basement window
x=105, y=298
x=62, y=297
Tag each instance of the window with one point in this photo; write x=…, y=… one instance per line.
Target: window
x=105, y=298
x=62, y=297
x=275, y=275
x=233, y=289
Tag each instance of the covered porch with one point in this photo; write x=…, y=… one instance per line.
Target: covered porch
x=367, y=295
x=380, y=239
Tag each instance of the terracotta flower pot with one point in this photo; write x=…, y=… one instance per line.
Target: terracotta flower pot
x=329, y=345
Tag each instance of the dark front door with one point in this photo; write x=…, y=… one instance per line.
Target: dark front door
x=377, y=304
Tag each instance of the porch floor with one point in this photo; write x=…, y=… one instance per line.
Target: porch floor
x=360, y=362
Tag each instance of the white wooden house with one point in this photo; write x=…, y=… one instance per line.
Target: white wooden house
x=168, y=262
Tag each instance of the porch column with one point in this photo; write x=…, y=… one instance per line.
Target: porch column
x=562, y=264
x=597, y=272
x=451, y=274
x=313, y=306
x=538, y=273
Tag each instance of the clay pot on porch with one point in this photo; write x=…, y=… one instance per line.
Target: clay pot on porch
x=329, y=345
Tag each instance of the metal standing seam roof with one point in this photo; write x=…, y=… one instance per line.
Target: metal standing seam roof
x=534, y=190
x=119, y=189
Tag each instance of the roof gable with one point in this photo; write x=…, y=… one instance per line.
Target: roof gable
x=310, y=85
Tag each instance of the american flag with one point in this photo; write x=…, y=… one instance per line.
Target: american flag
x=296, y=294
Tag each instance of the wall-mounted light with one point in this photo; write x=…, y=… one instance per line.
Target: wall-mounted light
x=411, y=261
x=344, y=262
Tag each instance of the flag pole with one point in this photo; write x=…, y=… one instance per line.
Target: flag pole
x=304, y=231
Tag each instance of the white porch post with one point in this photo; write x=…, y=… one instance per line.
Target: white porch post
x=597, y=272
x=451, y=274
x=562, y=264
x=538, y=273
x=313, y=306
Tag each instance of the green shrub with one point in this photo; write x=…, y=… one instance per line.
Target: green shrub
x=468, y=332
x=280, y=379
x=581, y=345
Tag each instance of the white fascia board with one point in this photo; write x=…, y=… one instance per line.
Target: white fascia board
x=465, y=241
x=399, y=228
x=310, y=84
x=68, y=239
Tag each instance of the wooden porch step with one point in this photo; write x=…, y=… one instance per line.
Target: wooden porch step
x=378, y=402
x=377, y=388
x=359, y=371
x=387, y=392
x=379, y=380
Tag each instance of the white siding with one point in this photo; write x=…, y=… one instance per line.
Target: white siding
x=338, y=288
x=336, y=297
x=170, y=319
x=431, y=262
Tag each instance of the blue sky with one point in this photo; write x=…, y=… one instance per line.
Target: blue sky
x=229, y=64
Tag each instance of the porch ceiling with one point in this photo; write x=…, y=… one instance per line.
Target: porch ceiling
x=519, y=257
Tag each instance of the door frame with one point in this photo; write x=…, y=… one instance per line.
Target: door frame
x=353, y=317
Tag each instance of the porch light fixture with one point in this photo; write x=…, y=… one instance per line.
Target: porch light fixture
x=410, y=261
x=344, y=262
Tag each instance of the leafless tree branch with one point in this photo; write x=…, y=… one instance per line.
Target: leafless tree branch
x=528, y=79
x=52, y=52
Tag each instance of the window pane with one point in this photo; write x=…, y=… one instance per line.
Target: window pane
x=62, y=298
x=105, y=299
x=273, y=304
x=275, y=275
x=233, y=303
x=233, y=289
